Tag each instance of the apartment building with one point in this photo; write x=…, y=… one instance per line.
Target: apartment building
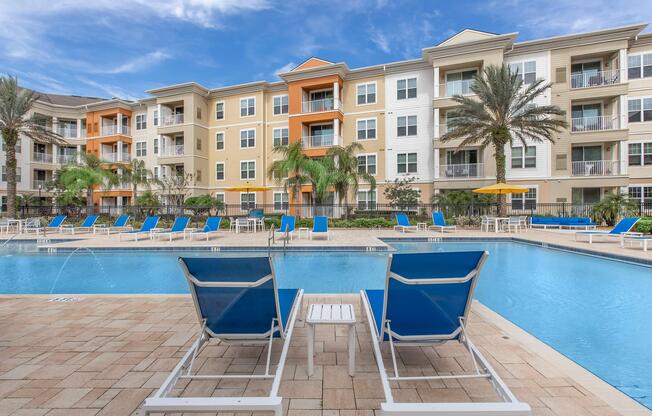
x=228, y=137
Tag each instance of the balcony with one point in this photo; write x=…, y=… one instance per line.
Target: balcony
x=173, y=119
x=65, y=159
x=114, y=130
x=324, y=140
x=42, y=157
x=594, y=79
x=39, y=184
x=317, y=106
x=597, y=123
x=172, y=151
x=596, y=168
x=460, y=87
x=113, y=157
x=463, y=170
x=67, y=132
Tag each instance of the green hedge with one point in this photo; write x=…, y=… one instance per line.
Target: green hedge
x=644, y=226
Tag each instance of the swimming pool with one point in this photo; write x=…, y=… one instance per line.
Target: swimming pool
x=593, y=310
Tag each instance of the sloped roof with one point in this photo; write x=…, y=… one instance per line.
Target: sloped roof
x=467, y=35
x=67, y=100
x=312, y=62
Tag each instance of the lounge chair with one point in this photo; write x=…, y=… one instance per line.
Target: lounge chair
x=56, y=224
x=426, y=301
x=120, y=224
x=148, y=225
x=237, y=302
x=439, y=223
x=87, y=225
x=403, y=223
x=287, y=226
x=212, y=227
x=320, y=228
x=178, y=228
x=639, y=238
x=624, y=226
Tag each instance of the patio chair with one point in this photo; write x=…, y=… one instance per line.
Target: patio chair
x=625, y=225
x=403, y=223
x=237, y=301
x=120, y=224
x=56, y=224
x=639, y=238
x=178, y=228
x=426, y=301
x=287, y=226
x=148, y=225
x=212, y=226
x=439, y=223
x=487, y=222
x=320, y=227
x=87, y=225
x=259, y=215
x=513, y=223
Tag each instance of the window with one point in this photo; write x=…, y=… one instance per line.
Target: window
x=219, y=141
x=367, y=164
x=219, y=197
x=156, y=172
x=406, y=162
x=639, y=66
x=280, y=137
x=141, y=121
x=198, y=113
x=367, y=129
x=247, y=107
x=639, y=109
x=19, y=175
x=219, y=171
x=247, y=201
x=156, y=117
x=366, y=199
x=459, y=83
x=526, y=200
x=247, y=138
x=156, y=146
x=281, y=201
x=3, y=204
x=198, y=175
x=219, y=111
x=527, y=71
x=248, y=169
x=141, y=149
x=406, y=88
x=527, y=159
x=641, y=193
x=366, y=93
x=280, y=105
x=406, y=126
x=198, y=143
x=640, y=154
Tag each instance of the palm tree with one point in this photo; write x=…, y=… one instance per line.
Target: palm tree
x=15, y=104
x=85, y=176
x=136, y=174
x=293, y=167
x=502, y=113
x=347, y=175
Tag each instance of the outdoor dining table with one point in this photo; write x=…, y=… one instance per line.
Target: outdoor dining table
x=19, y=224
x=497, y=221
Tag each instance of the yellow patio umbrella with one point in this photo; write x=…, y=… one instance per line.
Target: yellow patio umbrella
x=501, y=188
x=248, y=188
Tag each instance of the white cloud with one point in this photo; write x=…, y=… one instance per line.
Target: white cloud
x=110, y=90
x=380, y=40
x=138, y=64
x=285, y=68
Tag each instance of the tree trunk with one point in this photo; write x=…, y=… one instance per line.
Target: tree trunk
x=134, y=193
x=346, y=204
x=501, y=138
x=10, y=144
x=89, y=201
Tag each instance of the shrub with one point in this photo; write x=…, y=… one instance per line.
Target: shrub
x=644, y=226
x=464, y=221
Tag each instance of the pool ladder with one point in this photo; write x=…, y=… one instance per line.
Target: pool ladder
x=4, y=243
x=271, y=239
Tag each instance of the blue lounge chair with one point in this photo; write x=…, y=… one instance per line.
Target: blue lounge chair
x=212, y=226
x=120, y=224
x=287, y=226
x=439, y=223
x=148, y=226
x=87, y=225
x=624, y=226
x=639, y=238
x=320, y=227
x=237, y=302
x=403, y=223
x=426, y=301
x=178, y=228
x=56, y=224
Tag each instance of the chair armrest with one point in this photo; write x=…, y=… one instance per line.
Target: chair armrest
x=631, y=234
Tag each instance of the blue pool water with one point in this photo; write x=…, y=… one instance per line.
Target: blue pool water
x=593, y=310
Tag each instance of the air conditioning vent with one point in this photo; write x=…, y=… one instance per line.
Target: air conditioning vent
x=560, y=75
x=561, y=161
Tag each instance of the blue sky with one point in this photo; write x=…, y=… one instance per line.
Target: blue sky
x=122, y=48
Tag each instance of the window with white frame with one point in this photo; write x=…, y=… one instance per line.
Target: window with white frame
x=156, y=146
x=247, y=201
x=141, y=121
x=3, y=203
x=219, y=171
x=219, y=110
x=219, y=141
x=639, y=110
x=281, y=201
x=19, y=175
x=366, y=93
x=406, y=88
x=526, y=71
x=248, y=107
x=366, y=129
x=156, y=174
x=248, y=169
x=406, y=162
x=526, y=200
x=219, y=197
x=640, y=154
x=280, y=137
x=367, y=164
x=406, y=126
x=641, y=193
x=156, y=117
x=639, y=66
x=141, y=149
x=524, y=157
x=247, y=138
x=366, y=199
x=280, y=105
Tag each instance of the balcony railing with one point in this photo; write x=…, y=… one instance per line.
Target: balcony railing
x=171, y=151
x=596, y=168
x=462, y=170
x=113, y=157
x=65, y=159
x=39, y=183
x=461, y=87
x=595, y=79
x=325, y=140
x=42, y=157
x=597, y=123
x=114, y=129
x=316, y=106
x=173, y=119
x=67, y=132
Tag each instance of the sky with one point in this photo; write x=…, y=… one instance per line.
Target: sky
x=121, y=48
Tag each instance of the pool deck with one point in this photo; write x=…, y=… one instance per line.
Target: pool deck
x=104, y=354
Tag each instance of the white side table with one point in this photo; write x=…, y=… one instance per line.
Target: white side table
x=338, y=314
x=303, y=230
x=422, y=226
